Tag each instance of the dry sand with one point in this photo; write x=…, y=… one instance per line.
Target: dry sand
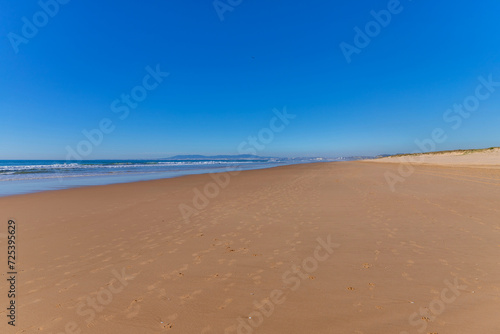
x=423, y=259
x=488, y=157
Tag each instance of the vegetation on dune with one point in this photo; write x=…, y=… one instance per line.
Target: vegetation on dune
x=463, y=152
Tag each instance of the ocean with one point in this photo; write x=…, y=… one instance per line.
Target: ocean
x=26, y=176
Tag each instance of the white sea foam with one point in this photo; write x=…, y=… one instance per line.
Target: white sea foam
x=66, y=166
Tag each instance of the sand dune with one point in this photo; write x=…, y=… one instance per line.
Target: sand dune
x=486, y=157
x=316, y=248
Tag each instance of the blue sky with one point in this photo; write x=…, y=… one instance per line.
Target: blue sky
x=226, y=76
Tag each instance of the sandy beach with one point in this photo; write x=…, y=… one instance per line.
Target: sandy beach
x=313, y=248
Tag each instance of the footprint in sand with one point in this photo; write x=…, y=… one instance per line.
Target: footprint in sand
x=189, y=296
x=197, y=259
x=225, y=303
x=226, y=276
x=216, y=275
x=276, y=264
x=108, y=317
x=407, y=276
x=146, y=262
x=177, y=273
x=134, y=308
x=257, y=279
x=166, y=326
x=444, y=262
x=67, y=288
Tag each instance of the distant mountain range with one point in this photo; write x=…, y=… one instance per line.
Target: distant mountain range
x=218, y=157
x=194, y=157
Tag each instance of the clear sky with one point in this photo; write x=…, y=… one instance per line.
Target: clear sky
x=61, y=74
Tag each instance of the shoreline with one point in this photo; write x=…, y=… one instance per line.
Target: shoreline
x=81, y=180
